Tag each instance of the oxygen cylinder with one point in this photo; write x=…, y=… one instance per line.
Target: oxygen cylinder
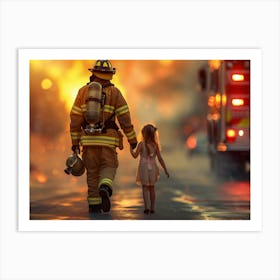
x=93, y=103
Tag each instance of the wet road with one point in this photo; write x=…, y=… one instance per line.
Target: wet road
x=191, y=193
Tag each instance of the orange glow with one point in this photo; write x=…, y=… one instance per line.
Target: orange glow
x=237, y=102
x=214, y=64
x=46, y=84
x=116, y=81
x=74, y=78
x=215, y=117
x=41, y=178
x=237, y=77
x=71, y=81
x=231, y=133
x=237, y=190
x=218, y=99
x=222, y=147
x=66, y=204
x=211, y=101
x=191, y=142
x=184, y=199
x=126, y=199
x=166, y=62
x=69, y=76
x=126, y=202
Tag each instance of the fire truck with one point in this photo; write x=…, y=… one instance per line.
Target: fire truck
x=226, y=85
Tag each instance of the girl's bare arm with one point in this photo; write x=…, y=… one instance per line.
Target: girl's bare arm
x=136, y=153
x=161, y=161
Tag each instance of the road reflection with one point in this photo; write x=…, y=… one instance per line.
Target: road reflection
x=191, y=193
x=229, y=200
x=237, y=191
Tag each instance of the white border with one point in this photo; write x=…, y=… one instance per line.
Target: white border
x=254, y=224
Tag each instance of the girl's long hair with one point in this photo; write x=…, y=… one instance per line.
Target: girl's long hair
x=150, y=135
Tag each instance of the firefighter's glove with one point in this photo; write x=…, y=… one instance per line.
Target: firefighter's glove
x=76, y=149
x=133, y=145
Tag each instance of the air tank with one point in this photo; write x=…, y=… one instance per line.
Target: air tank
x=93, y=103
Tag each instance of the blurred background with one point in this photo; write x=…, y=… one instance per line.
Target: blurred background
x=162, y=92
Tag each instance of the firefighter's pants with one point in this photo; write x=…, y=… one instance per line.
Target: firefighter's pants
x=101, y=163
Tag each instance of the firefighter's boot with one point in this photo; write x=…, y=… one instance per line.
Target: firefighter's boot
x=94, y=209
x=104, y=192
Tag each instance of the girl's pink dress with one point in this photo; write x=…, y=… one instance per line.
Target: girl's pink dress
x=148, y=171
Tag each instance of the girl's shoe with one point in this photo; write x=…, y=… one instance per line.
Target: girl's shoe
x=146, y=211
x=152, y=211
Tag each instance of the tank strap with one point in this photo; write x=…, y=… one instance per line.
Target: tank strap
x=94, y=99
x=107, y=84
x=103, y=98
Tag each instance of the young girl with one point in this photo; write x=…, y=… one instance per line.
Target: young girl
x=148, y=172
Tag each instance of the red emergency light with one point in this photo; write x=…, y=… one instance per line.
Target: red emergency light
x=237, y=77
x=231, y=135
x=237, y=102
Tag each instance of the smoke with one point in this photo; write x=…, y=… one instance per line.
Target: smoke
x=48, y=113
x=160, y=91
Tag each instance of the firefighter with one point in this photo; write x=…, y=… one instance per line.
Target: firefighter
x=97, y=106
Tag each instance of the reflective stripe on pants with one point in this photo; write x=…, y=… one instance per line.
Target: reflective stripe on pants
x=101, y=163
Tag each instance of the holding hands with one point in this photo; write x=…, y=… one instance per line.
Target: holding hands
x=166, y=173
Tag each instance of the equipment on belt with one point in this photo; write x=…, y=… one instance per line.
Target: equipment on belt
x=101, y=127
x=74, y=165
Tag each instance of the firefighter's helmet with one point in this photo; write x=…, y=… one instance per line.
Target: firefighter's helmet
x=74, y=165
x=103, y=69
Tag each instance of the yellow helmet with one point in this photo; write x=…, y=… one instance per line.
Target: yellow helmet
x=103, y=69
x=74, y=165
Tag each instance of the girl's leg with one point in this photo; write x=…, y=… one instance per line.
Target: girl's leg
x=146, y=196
x=153, y=198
